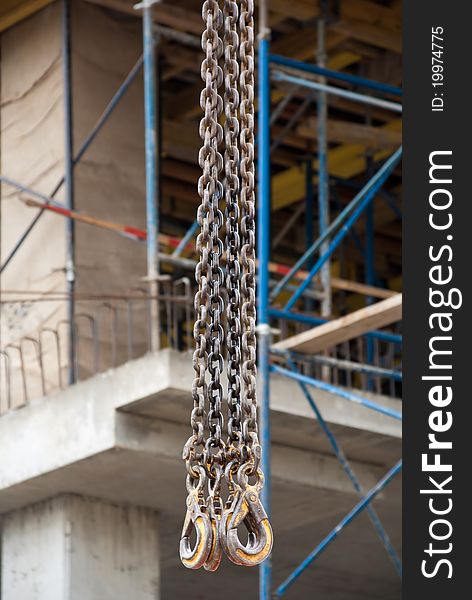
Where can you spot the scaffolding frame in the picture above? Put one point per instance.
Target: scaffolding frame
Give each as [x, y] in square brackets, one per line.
[336, 230]
[331, 235]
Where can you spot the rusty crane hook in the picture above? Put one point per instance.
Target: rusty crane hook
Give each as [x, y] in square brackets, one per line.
[245, 507]
[214, 512]
[196, 518]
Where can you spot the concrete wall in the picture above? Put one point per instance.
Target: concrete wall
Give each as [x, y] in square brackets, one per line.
[109, 184]
[31, 146]
[110, 179]
[76, 548]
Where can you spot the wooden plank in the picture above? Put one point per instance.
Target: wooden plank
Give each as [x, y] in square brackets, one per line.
[360, 288]
[372, 13]
[301, 44]
[370, 34]
[345, 328]
[348, 132]
[296, 9]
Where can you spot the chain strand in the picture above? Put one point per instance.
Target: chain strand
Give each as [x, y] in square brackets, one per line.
[233, 272]
[237, 459]
[248, 280]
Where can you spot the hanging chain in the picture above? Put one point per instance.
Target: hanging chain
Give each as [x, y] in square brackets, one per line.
[233, 269]
[207, 337]
[238, 458]
[211, 190]
[251, 448]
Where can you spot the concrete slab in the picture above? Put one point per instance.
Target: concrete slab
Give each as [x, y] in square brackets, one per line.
[77, 548]
[119, 435]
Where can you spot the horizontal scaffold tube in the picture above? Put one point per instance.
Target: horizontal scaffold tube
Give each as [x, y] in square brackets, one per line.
[333, 389]
[284, 61]
[337, 91]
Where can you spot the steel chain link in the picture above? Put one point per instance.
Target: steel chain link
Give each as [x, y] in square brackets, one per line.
[251, 448]
[233, 269]
[211, 191]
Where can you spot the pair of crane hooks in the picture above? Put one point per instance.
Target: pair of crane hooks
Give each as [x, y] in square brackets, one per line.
[211, 461]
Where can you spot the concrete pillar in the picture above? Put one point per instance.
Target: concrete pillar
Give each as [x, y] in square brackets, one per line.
[76, 548]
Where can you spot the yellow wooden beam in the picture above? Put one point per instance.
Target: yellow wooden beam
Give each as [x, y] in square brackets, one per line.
[344, 161]
[15, 11]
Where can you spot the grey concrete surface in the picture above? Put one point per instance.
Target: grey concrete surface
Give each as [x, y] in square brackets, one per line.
[119, 435]
[77, 548]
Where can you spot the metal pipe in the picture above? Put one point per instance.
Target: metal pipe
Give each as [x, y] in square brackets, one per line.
[150, 125]
[312, 320]
[360, 506]
[37, 349]
[284, 61]
[386, 168]
[388, 198]
[263, 251]
[282, 104]
[323, 182]
[337, 91]
[384, 538]
[83, 148]
[309, 216]
[369, 259]
[291, 123]
[30, 191]
[353, 233]
[189, 235]
[309, 200]
[343, 393]
[22, 369]
[372, 188]
[332, 247]
[58, 350]
[6, 365]
[69, 184]
[350, 365]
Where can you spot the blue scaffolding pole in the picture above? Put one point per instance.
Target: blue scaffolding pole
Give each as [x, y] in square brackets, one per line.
[284, 61]
[69, 192]
[369, 262]
[309, 216]
[151, 154]
[338, 391]
[263, 250]
[323, 182]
